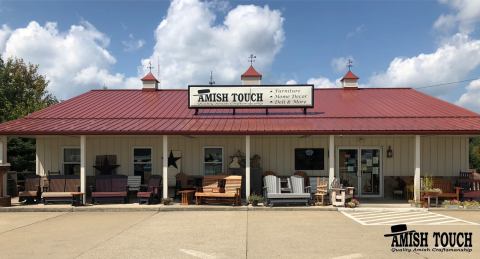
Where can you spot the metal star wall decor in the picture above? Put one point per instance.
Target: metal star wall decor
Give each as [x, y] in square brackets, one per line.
[172, 160]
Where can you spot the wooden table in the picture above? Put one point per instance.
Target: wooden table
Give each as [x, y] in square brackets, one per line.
[187, 196]
[77, 198]
[429, 195]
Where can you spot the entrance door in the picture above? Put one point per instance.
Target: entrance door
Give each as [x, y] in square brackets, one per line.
[361, 168]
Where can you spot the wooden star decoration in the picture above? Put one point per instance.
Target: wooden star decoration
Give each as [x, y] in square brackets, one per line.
[172, 160]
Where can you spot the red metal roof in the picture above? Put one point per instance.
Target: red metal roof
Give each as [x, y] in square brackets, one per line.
[336, 111]
[251, 72]
[149, 77]
[349, 75]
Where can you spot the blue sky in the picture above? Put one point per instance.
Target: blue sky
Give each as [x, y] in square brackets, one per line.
[297, 41]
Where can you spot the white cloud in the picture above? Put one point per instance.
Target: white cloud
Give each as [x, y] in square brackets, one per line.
[471, 98]
[322, 82]
[452, 61]
[73, 61]
[5, 32]
[340, 64]
[291, 82]
[465, 14]
[189, 42]
[358, 30]
[132, 44]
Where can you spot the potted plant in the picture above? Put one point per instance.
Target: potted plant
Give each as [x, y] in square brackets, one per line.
[470, 204]
[353, 203]
[416, 204]
[254, 199]
[167, 201]
[451, 204]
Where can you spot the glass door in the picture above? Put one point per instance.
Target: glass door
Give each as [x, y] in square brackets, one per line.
[360, 168]
[348, 167]
[370, 172]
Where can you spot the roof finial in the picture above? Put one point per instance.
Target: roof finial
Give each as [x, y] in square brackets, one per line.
[349, 64]
[150, 66]
[251, 59]
[211, 82]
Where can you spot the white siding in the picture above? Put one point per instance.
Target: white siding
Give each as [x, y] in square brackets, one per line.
[440, 155]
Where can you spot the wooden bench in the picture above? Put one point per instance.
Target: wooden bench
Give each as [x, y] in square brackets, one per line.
[447, 189]
[220, 188]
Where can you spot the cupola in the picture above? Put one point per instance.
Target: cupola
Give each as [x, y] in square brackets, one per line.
[349, 80]
[251, 77]
[150, 83]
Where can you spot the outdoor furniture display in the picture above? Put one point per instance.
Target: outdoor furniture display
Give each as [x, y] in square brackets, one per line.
[321, 190]
[31, 191]
[186, 196]
[220, 188]
[5, 201]
[447, 190]
[428, 196]
[152, 192]
[110, 188]
[134, 182]
[273, 192]
[339, 194]
[305, 177]
[472, 191]
[62, 188]
[186, 182]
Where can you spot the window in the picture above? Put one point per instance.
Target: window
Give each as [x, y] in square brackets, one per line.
[309, 159]
[142, 162]
[71, 161]
[212, 160]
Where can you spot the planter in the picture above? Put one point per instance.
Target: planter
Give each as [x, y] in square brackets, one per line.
[255, 203]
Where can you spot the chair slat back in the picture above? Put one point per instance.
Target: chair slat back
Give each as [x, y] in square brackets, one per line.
[444, 185]
[72, 183]
[322, 185]
[297, 184]
[271, 183]
[56, 183]
[232, 183]
[154, 182]
[211, 182]
[32, 183]
[134, 182]
[336, 183]
[119, 183]
[103, 183]
[303, 174]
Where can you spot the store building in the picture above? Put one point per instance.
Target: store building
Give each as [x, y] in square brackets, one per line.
[369, 137]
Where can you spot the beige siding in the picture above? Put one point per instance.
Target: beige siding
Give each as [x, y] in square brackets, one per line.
[441, 155]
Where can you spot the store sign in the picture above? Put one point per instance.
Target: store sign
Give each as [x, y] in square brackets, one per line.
[264, 96]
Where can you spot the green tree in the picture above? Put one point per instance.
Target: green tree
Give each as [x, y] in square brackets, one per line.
[22, 91]
[475, 153]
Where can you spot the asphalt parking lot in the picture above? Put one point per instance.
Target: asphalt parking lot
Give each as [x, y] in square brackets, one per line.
[203, 234]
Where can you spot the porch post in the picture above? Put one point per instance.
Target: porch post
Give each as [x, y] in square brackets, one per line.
[3, 160]
[165, 167]
[416, 179]
[331, 160]
[247, 166]
[83, 176]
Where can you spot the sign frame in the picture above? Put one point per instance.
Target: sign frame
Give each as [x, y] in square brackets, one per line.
[254, 106]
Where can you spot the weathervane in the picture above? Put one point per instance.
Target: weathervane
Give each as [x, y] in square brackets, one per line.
[349, 64]
[150, 66]
[251, 59]
[211, 79]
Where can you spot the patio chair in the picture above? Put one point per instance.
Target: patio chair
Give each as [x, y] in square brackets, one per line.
[31, 191]
[110, 188]
[338, 194]
[61, 188]
[273, 194]
[134, 182]
[152, 192]
[320, 190]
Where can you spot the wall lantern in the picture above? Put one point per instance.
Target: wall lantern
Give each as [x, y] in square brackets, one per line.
[389, 152]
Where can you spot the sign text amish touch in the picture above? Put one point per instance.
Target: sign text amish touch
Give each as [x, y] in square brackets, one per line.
[264, 96]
